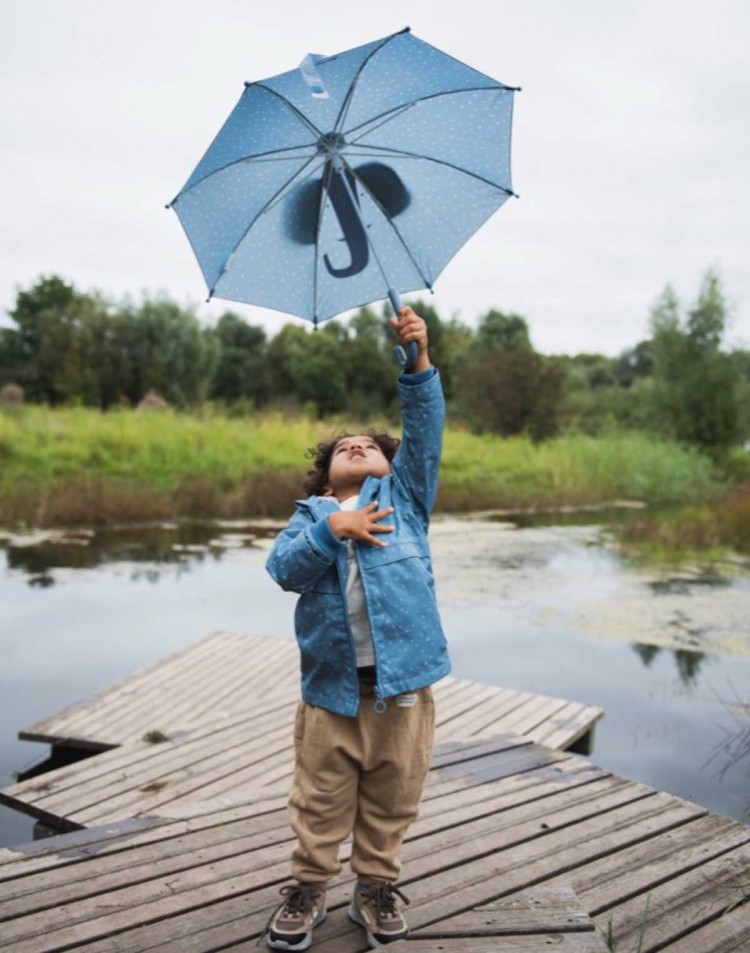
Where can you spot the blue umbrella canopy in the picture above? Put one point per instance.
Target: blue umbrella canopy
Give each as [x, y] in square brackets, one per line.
[349, 178]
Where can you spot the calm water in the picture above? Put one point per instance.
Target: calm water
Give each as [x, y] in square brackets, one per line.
[543, 608]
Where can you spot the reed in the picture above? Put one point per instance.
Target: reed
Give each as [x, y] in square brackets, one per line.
[76, 465]
[703, 530]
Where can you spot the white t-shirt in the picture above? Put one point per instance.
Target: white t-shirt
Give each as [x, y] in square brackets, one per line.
[356, 605]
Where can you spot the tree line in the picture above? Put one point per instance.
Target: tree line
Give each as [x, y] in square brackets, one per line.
[66, 346]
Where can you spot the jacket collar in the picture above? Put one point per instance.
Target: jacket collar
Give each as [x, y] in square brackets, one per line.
[322, 506]
[318, 506]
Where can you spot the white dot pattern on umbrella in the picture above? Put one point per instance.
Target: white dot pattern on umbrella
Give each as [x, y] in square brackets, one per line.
[442, 128]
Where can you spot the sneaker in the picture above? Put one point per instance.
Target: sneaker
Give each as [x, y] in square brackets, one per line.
[291, 924]
[376, 908]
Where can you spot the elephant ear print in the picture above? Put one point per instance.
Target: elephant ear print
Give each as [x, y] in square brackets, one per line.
[303, 205]
[301, 213]
[386, 186]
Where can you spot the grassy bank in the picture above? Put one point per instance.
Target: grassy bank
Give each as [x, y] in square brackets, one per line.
[696, 532]
[75, 465]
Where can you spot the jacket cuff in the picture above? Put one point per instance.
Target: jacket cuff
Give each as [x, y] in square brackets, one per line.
[324, 541]
[421, 377]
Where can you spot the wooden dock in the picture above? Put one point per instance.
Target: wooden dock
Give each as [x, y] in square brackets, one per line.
[223, 710]
[518, 848]
[181, 845]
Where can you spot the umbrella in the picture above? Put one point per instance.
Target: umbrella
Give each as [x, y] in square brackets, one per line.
[348, 179]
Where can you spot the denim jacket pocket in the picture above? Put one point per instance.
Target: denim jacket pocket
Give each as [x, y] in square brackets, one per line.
[392, 552]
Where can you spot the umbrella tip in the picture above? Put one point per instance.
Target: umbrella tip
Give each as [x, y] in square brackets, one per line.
[406, 29]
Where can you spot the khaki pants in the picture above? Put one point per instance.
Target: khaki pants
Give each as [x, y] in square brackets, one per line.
[360, 775]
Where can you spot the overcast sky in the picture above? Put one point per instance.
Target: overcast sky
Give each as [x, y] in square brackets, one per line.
[631, 148]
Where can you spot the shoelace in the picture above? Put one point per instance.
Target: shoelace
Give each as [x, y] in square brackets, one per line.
[298, 901]
[384, 898]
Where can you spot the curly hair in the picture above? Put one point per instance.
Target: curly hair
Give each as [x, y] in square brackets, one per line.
[317, 479]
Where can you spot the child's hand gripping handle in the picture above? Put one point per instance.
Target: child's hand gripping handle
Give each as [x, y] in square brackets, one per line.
[406, 358]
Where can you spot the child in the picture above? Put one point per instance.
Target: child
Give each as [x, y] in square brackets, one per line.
[371, 644]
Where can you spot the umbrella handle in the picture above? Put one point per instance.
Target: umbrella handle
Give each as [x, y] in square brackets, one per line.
[407, 358]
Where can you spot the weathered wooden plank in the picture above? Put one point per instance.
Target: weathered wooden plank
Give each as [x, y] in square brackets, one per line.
[462, 705]
[19, 863]
[198, 777]
[145, 684]
[450, 796]
[216, 921]
[493, 708]
[727, 934]
[117, 777]
[569, 729]
[444, 755]
[207, 869]
[46, 728]
[603, 884]
[533, 856]
[683, 902]
[131, 706]
[532, 713]
[91, 916]
[176, 714]
[541, 909]
[158, 862]
[162, 899]
[229, 684]
[564, 943]
[176, 751]
[491, 767]
[527, 718]
[208, 846]
[446, 688]
[528, 786]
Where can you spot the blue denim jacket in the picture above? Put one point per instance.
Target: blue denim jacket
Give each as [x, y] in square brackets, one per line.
[398, 582]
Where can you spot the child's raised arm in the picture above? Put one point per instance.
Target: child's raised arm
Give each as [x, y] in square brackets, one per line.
[417, 461]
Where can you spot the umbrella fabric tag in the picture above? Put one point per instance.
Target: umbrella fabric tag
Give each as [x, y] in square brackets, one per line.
[406, 701]
[312, 77]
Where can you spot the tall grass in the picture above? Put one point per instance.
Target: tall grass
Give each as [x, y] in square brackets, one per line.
[697, 530]
[76, 465]
[574, 469]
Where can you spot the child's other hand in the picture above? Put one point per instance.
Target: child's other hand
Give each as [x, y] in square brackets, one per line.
[361, 524]
[410, 327]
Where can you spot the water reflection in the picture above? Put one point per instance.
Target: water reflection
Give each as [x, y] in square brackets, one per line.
[687, 664]
[550, 609]
[684, 585]
[610, 514]
[168, 544]
[646, 653]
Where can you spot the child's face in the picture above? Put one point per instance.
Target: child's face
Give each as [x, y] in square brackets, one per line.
[353, 459]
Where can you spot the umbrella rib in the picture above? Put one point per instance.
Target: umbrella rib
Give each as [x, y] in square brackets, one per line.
[321, 205]
[390, 221]
[285, 189]
[297, 112]
[337, 126]
[262, 211]
[262, 156]
[389, 117]
[401, 153]
[396, 111]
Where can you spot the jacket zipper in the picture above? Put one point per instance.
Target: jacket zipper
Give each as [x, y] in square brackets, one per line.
[380, 705]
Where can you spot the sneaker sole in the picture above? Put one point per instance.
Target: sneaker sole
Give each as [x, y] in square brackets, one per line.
[304, 943]
[354, 916]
